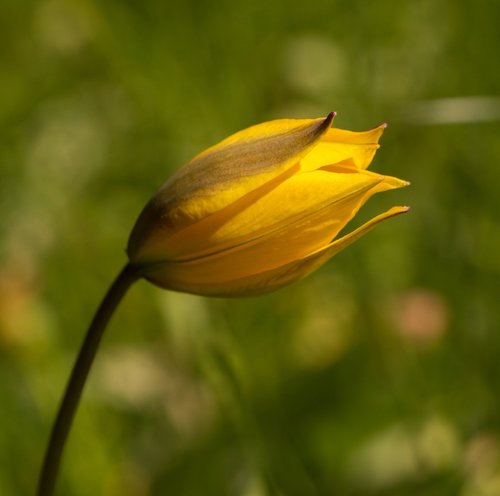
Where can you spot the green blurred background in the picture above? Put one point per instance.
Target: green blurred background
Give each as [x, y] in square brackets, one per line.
[377, 375]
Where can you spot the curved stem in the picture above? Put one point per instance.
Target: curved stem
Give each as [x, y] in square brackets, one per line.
[76, 383]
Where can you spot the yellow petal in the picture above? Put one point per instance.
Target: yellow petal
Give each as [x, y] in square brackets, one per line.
[298, 269]
[339, 145]
[335, 135]
[268, 280]
[271, 129]
[239, 164]
[279, 248]
[315, 205]
[343, 242]
[222, 174]
[389, 182]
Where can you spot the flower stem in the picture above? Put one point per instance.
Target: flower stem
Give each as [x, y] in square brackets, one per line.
[79, 374]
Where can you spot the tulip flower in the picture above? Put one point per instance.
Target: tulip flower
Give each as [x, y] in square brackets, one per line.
[259, 210]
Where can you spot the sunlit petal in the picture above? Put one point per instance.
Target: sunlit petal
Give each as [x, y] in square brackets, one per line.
[299, 197]
[339, 145]
[224, 173]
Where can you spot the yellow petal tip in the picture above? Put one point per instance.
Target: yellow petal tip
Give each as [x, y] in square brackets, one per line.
[403, 183]
[390, 182]
[398, 210]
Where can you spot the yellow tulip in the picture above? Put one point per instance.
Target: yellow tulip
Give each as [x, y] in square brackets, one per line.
[260, 209]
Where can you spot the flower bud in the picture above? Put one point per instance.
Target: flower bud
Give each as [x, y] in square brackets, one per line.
[260, 209]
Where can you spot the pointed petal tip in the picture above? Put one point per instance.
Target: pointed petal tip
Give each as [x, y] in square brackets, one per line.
[375, 133]
[403, 183]
[391, 182]
[329, 119]
[403, 209]
[380, 128]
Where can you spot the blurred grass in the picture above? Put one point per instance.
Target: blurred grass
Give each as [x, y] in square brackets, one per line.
[376, 376]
